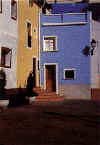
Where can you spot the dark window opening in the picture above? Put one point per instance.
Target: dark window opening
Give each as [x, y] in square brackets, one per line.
[13, 9]
[5, 57]
[31, 3]
[0, 6]
[29, 37]
[69, 74]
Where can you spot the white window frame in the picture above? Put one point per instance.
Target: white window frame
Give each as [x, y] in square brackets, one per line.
[44, 43]
[71, 70]
[27, 34]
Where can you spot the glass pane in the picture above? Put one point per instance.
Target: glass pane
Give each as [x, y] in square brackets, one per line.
[47, 45]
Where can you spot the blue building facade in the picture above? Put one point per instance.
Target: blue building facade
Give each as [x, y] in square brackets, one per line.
[64, 68]
[60, 8]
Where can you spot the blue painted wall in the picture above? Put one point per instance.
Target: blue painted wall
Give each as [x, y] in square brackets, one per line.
[71, 40]
[59, 8]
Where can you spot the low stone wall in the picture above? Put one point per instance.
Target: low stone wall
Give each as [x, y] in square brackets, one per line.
[8, 92]
[75, 91]
[14, 90]
[95, 94]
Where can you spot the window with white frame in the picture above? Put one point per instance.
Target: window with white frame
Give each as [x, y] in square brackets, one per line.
[6, 57]
[0, 6]
[69, 74]
[29, 35]
[49, 43]
[13, 9]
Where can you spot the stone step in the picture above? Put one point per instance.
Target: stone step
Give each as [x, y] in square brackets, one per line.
[45, 96]
[48, 99]
[46, 93]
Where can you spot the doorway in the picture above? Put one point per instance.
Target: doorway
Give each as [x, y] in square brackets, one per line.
[34, 71]
[50, 78]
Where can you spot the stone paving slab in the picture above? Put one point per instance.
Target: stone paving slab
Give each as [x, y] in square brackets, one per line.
[71, 122]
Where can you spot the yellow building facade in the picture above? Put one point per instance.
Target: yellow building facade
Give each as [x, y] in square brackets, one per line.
[28, 42]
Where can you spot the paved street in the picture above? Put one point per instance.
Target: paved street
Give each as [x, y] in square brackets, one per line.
[66, 123]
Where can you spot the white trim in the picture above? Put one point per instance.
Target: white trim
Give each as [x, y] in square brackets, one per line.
[91, 21]
[28, 21]
[76, 13]
[64, 14]
[46, 36]
[69, 69]
[45, 64]
[64, 24]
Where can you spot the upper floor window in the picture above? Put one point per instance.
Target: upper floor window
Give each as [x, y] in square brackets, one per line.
[29, 35]
[5, 57]
[0, 6]
[13, 9]
[49, 43]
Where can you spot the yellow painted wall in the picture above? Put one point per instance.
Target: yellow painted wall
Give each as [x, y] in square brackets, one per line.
[25, 55]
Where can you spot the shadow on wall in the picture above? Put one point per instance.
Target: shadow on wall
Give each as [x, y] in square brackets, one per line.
[21, 95]
[2, 82]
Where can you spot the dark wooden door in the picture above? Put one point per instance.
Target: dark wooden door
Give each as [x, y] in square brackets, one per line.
[51, 78]
[34, 71]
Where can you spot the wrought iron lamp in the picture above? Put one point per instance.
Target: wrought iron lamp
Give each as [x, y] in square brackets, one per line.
[93, 46]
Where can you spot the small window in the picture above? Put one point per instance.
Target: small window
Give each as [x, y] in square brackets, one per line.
[0, 6]
[5, 57]
[49, 43]
[30, 3]
[13, 9]
[29, 36]
[69, 74]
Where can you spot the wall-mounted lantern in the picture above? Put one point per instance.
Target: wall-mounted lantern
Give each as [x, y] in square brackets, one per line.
[93, 46]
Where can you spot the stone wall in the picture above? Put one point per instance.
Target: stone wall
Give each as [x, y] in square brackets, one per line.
[75, 91]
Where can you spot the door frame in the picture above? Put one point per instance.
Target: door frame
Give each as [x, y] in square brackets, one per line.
[45, 64]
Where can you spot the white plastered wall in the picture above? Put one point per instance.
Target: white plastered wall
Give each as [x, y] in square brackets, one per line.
[95, 59]
[9, 39]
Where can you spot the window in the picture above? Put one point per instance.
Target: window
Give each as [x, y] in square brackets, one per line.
[29, 37]
[49, 43]
[30, 3]
[0, 6]
[69, 74]
[13, 9]
[5, 57]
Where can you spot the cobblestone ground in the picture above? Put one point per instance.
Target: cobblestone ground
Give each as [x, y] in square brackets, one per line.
[71, 122]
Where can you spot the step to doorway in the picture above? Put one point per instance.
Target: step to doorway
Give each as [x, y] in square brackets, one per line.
[45, 96]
